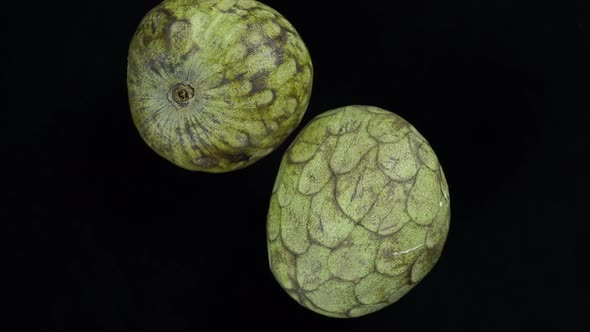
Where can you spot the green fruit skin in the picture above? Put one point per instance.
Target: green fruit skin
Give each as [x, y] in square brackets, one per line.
[359, 213]
[250, 75]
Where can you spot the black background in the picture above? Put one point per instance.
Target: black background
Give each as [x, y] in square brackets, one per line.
[105, 235]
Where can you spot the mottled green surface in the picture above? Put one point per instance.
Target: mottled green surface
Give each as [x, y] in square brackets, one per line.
[359, 213]
[216, 85]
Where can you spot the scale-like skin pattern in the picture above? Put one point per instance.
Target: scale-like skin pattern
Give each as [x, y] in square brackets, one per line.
[359, 213]
[215, 85]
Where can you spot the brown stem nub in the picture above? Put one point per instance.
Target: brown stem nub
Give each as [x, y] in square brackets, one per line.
[182, 94]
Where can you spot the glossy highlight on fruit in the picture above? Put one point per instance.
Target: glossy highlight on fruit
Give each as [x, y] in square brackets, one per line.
[215, 85]
[359, 212]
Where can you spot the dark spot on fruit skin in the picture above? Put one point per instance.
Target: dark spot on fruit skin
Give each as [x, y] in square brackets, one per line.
[250, 49]
[272, 100]
[230, 10]
[226, 80]
[162, 62]
[197, 143]
[233, 157]
[215, 120]
[295, 97]
[277, 50]
[191, 136]
[276, 43]
[258, 81]
[238, 157]
[166, 35]
[281, 39]
[181, 140]
[239, 77]
[298, 66]
[161, 15]
[149, 36]
[153, 66]
[279, 55]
